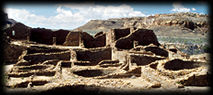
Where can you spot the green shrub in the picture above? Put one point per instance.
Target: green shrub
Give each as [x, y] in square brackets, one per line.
[206, 48]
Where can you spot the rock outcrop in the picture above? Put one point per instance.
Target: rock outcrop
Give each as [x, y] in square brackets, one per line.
[192, 23]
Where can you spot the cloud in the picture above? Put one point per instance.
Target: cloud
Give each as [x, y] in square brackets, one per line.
[70, 16]
[93, 11]
[193, 9]
[179, 8]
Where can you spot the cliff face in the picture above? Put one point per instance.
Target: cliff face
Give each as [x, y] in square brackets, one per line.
[192, 24]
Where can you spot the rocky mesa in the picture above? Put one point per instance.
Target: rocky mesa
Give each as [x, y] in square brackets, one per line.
[191, 24]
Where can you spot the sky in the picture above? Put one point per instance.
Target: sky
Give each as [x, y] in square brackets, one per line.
[72, 15]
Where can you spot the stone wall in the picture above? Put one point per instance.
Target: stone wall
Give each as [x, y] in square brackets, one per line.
[121, 33]
[100, 40]
[41, 35]
[12, 53]
[94, 55]
[60, 36]
[20, 31]
[76, 38]
[142, 60]
[115, 34]
[110, 39]
[40, 57]
[119, 55]
[143, 36]
[73, 39]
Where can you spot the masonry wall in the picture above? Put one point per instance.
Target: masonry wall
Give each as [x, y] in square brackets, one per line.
[41, 35]
[73, 39]
[119, 55]
[115, 34]
[94, 55]
[60, 36]
[121, 33]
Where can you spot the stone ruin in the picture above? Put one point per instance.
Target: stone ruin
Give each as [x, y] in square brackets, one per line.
[118, 60]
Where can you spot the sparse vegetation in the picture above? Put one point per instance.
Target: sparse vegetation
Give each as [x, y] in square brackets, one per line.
[206, 48]
[192, 45]
[183, 40]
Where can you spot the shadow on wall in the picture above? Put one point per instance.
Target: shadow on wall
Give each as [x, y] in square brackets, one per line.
[94, 56]
[88, 41]
[143, 36]
[45, 36]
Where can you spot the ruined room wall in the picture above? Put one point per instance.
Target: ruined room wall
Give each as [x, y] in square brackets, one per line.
[12, 52]
[100, 40]
[121, 33]
[21, 31]
[91, 42]
[157, 51]
[40, 57]
[87, 40]
[98, 34]
[60, 36]
[41, 35]
[119, 55]
[142, 60]
[37, 49]
[115, 34]
[143, 36]
[109, 38]
[94, 55]
[178, 64]
[72, 39]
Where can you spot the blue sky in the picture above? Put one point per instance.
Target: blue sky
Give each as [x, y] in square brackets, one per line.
[73, 15]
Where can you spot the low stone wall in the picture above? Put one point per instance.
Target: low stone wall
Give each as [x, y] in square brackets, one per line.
[119, 55]
[178, 64]
[12, 53]
[141, 60]
[158, 51]
[27, 74]
[35, 49]
[94, 55]
[40, 57]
